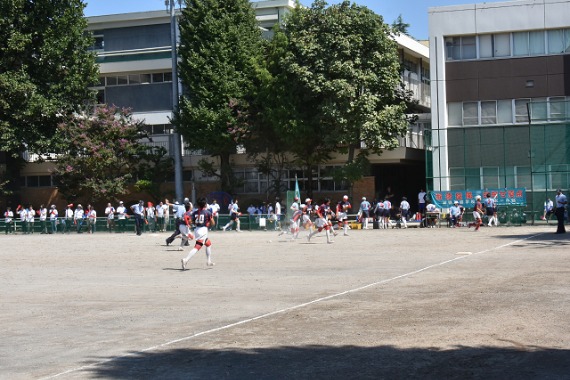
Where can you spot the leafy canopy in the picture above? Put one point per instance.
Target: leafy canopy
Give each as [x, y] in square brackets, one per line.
[102, 154]
[220, 69]
[45, 70]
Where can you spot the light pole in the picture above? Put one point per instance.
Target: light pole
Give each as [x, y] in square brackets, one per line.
[178, 186]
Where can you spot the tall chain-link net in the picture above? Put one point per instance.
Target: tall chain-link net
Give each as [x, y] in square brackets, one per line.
[535, 156]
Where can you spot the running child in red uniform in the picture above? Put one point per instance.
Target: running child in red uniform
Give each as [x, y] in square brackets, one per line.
[342, 208]
[322, 222]
[202, 219]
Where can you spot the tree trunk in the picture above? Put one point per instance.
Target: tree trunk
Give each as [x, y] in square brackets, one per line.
[226, 173]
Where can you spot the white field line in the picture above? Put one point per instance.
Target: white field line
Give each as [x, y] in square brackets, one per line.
[287, 309]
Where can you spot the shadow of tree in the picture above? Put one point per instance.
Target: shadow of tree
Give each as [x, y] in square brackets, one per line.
[343, 362]
[547, 240]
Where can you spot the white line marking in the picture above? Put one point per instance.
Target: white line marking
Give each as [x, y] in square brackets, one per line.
[287, 309]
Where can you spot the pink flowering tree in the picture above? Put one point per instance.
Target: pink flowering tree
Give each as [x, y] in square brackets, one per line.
[101, 154]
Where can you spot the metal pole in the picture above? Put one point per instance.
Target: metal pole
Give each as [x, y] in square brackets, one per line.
[177, 145]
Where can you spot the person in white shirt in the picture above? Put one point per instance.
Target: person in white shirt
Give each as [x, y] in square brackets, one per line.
[404, 210]
[151, 216]
[69, 214]
[110, 213]
[278, 214]
[138, 210]
[122, 217]
[561, 203]
[548, 210]
[53, 214]
[43, 219]
[215, 209]
[9, 220]
[160, 217]
[166, 208]
[234, 217]
[91, 219]
[78, 217]
[421, 201]
[30, 215]
[23, 212]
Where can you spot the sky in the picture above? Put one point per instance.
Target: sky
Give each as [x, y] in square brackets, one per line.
[414, 12]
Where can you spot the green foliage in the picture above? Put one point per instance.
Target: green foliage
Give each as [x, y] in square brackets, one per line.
[336, 72]
[45, 70]
[399, 26]
[221, 67]
[101, 154]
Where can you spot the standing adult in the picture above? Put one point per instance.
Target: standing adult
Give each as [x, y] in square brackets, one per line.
[166, 208]
[122, 216]
[9, 220]
[364, 212]
[422, 201]
[490, 210]
[91, 219]
[215, 210]
[138, 210]
[278, 214]
[561, 203]
[110, 213]
[151, 216]
[78, 216]
[53, 214]
[30, 215]
[43, 219]
[69, 214]
[404, 210]
[160, 217]
[23, 212]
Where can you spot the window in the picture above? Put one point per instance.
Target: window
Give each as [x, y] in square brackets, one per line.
[520, 44]
[557, 109]
[486, 46]
[111, 81]
[468, 47]
[490, 177]
[505, 111]
[489, 112]
[453, 48]
[99, 43]
[536, 43]
[454, 114]
[556, 41]
[470, 113]
[134, 79]
[157, 77]
[502, 45]
[122, 80]
[461, 47]
[145, 78]
[539, 109]
[521, 113]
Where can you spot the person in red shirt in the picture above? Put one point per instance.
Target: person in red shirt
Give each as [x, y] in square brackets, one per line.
[202, 219]
[478, 213]
[342, 208]
[322, 222]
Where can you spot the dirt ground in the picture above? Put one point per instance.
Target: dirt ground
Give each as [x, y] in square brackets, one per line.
[378, 304]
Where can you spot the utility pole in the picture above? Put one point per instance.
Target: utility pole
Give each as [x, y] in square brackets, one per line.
[177, 145]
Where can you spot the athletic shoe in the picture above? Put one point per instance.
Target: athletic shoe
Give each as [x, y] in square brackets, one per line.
[167, 242]
[210, 264]
[183, 264]
[180, 249]
[309, 238]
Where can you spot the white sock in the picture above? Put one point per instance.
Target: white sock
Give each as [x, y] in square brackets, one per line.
[190, 254]
[208, 254]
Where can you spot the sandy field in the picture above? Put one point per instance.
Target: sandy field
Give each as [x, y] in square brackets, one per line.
[378, 304]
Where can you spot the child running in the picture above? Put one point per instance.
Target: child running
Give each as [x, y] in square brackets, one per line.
[202, 219]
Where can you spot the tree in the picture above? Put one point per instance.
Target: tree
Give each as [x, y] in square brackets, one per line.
[341, 75]
[45, 70]
[221, 66]
[399, 26]
[102, 154]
